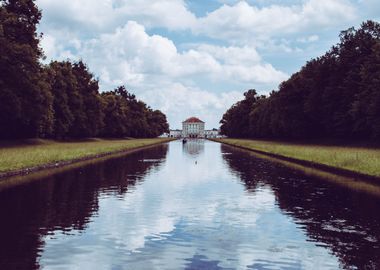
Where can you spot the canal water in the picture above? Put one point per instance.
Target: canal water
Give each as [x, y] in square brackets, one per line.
[201, 205]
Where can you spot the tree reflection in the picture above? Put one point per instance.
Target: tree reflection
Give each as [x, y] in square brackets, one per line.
[345, 221]
[64, 202]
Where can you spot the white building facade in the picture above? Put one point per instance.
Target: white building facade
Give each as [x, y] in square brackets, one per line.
[193, 128]
[213, 133]
[177, 133]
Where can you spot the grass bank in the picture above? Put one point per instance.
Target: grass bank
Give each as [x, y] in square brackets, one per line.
[20, 156]
[361, 160]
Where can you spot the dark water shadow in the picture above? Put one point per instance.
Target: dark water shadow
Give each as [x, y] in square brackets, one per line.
[346, 221]
[65, 202]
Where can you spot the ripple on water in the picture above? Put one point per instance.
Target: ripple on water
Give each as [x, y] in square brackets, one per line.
[157, 209]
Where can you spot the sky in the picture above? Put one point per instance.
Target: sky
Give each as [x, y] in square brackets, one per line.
[195, 57]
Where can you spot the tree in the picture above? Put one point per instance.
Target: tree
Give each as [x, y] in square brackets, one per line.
[61, 100]
[115, 111]
[335, 96]
[89, 117]
[366, 108]
[64, 89]
[126, 116]
[157, 123]
[235, 121]
[25, 97]
[137, 123]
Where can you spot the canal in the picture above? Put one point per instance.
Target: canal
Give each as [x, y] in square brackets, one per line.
[201, 205]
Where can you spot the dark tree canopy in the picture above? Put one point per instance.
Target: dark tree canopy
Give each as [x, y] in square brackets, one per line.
[126, 116]
[61, 100]
[81, 111]
[335, 96]
[25, 96]
[89, 120]
[236, 119]
[65, 93]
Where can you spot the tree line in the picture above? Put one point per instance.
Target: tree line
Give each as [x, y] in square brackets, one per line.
[335, 96]
[60, 100]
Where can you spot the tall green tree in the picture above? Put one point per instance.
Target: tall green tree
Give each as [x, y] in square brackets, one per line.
[25, 97]
[335, 96]
[61, 100]
[235, 121]
[116, 114]
[366, 108]
[157, 123]
[127, 116]
[65, 94]
[89, 117]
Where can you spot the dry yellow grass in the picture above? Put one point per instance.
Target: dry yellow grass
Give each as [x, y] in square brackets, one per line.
[357, 159]
[26, 154]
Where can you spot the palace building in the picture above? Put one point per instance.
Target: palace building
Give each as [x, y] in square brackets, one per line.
[193, 128]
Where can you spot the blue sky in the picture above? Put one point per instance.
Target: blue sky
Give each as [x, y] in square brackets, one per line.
[194, 57]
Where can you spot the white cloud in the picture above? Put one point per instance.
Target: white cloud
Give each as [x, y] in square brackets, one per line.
[100, 15]
[162, 76]
[156, 219]
[179, 101]
[235, 22]
[114, 37]
[242, 22]
[312, 38]
[49, 45]
[54, 48]
[327, 12]
[133, 56]
[232, 55]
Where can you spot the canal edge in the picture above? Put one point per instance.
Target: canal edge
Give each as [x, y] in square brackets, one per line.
[357, 176]
[61, 164]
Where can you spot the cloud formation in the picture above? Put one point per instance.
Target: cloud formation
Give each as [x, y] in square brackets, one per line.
[152, 65]
[161, 49]
[101, 16]
[241, 22]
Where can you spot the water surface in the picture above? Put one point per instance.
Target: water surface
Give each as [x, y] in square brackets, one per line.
[201, 205]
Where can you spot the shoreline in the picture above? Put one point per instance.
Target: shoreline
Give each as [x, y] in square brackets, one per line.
[309, 164]
[61, 164]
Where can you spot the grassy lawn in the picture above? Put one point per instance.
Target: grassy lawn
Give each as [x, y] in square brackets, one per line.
[357, 159]
[29, 153]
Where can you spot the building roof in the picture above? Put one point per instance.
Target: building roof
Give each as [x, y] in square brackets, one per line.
[193, 120]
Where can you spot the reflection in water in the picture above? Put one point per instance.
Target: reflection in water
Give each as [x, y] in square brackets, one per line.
[194, 147]
[63, 204]
[346, 222]
[158, 209]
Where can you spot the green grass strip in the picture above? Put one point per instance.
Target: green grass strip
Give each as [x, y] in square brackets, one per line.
[17, 155]
[357, 159]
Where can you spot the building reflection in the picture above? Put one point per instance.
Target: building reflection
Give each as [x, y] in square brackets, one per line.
[193, 147]
[346, 222]
[64, 202]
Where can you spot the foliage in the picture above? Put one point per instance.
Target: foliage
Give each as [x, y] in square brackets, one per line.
[25, 96]
[126, 116]
[89, 119]
[236, 120]
[65, 93]
[61, 100]
[116, 118]
[336, 96]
